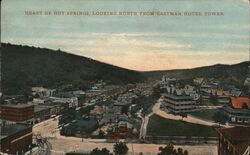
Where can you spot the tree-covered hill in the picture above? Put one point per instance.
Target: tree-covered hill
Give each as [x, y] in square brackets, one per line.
[227, 74]
[24, 67]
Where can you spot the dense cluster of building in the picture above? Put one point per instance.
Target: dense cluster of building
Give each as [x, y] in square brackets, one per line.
[185, 99]
[109, 110]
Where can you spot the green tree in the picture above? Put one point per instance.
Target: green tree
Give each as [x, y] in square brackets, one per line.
[120, 148]
[103, 151]
[169, 150]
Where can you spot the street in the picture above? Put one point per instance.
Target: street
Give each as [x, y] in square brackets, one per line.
[61, 144]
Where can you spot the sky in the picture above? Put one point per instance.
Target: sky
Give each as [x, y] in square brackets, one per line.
[135, 42]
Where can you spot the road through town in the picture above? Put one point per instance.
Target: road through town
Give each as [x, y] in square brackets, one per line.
[61, 144]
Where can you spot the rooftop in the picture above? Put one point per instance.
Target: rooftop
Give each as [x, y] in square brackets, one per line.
[11, 129]
[17, 105]
[240, 102]
[238, 136]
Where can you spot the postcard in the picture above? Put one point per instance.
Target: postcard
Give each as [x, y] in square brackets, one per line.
[125, 77]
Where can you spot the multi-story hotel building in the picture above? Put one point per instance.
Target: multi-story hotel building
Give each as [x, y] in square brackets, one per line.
[176, 101]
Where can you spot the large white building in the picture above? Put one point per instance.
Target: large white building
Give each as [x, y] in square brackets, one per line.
[176, 101]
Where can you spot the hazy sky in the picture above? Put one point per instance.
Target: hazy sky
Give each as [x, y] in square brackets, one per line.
[134, 42]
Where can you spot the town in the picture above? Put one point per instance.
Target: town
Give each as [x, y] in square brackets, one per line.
[195, 114]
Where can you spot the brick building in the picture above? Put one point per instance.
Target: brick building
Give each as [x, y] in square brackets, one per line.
[19, 112]
[15, 131]
[15, 138]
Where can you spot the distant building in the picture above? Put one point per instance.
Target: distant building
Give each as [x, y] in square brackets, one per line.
[19, 112]
[42, 92]
[44, 112]
[235, 92]
[97, 112]
[168, 81]
[205, 91]
[239, 110]
[81, 127]
[223, 96]
[176, 101]
[234, 141]
[71, 102]
[198, 81]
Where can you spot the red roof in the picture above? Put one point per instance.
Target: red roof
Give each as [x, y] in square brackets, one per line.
[239, 102]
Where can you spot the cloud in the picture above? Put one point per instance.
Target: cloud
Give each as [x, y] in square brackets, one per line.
[143, 53]
[246, 1]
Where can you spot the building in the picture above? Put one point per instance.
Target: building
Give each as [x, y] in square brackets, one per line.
[71, 102]
[198, 81]
[234, 141]
[16, 129]
[190, 90]
[120, 130]
[15, 138]
[205, 91]
[42, 92]
[19, 112]
[222, 96]
[81, 127]
[168, 81]
[239, 110]
[41, 113]
[97, 112]
[176, 101]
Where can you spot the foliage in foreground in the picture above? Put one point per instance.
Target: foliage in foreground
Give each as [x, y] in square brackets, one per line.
[170, 150]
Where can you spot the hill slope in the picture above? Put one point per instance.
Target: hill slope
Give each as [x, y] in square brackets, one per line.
[228, 74]
[24, 67]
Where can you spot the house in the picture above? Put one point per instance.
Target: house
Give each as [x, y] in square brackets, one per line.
[97, 112]
[235, 92]
[176, 101]
[121, 130]
[233, 141]
[222, 96]
[198, 81]
[239, 109]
